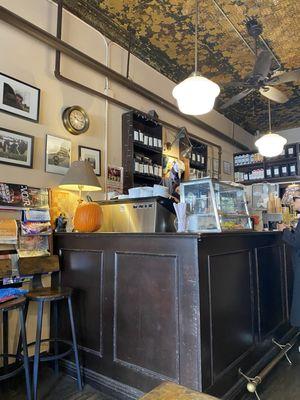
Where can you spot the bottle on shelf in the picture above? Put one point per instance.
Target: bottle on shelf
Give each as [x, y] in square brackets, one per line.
[141, 136]
[276, 171]
[292, 169]
[146, 140]
[136, 135]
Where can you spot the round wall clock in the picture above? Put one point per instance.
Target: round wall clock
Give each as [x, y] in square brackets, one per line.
[75, 120]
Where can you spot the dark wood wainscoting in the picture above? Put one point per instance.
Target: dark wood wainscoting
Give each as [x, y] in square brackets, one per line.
[245, 289]
[136, 302]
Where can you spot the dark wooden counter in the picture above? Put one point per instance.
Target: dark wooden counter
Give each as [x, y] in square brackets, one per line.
[187, 308]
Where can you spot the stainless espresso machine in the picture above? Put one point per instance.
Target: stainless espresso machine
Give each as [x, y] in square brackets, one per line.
[145, 214]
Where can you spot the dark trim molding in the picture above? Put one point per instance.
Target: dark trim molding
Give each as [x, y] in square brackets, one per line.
[107, 385]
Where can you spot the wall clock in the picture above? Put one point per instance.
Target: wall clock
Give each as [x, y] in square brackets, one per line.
[75, 120]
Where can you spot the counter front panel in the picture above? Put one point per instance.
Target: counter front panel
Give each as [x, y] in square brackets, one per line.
[186, 308]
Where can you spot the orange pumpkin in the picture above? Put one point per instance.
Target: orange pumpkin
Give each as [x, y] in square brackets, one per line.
[88, 217]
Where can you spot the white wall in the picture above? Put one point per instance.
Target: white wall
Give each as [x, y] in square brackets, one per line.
[292, 135]
[31, 61]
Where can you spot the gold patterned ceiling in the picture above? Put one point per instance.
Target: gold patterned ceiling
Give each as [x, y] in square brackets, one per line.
[164, 38]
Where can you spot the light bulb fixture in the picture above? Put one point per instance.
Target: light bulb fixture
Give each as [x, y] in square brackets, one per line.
[271, 144]
[196, 95]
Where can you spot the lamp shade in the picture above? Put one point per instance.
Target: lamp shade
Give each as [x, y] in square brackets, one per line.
[80, 176]
[196, 95]
[270, 144]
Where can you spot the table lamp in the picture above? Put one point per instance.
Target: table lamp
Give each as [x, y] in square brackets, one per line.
[81, 177]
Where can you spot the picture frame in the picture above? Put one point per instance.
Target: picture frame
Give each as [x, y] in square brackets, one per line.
[57, 154]
[215, 163]
[16, 148]
[19, 98]
[227, 167]
[93, 156]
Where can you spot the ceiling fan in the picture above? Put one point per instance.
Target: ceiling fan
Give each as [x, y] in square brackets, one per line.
[262, 78]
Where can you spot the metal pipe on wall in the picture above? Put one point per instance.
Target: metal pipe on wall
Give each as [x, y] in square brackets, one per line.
[108, 46]
[56, 43]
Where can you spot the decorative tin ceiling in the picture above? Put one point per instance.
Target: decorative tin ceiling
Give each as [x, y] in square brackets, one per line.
[164, 35]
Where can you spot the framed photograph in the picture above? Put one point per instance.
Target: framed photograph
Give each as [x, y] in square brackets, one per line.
[227, 167]
[93, 156]
[19, 98]
[58, 155]
[215, 165]
[16, 148]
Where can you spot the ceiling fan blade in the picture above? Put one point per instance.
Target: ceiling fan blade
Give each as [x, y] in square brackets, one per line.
[284, 77]
[262, 64]
[273, 94]
[236, 98]
[237, 85]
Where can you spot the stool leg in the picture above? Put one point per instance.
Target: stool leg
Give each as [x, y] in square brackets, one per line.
[5, 339]
[19, 349]
[37, 349]
[75, 347]
[25, 353]
[55, 318]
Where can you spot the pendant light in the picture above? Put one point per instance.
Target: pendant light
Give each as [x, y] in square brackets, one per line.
[196, 95]
[270, 144]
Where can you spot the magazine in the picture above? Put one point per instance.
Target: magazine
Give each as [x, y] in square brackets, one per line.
[8, 231]
[36, 215]
[36, 228]
[33, 246]
[19, 197]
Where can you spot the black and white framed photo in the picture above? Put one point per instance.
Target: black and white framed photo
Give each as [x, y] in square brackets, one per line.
[19, 98]
[16, 148]
[93, 156]
[58, 155]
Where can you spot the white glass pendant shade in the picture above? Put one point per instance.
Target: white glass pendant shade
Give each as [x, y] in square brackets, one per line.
[270, 144]
[196, 95]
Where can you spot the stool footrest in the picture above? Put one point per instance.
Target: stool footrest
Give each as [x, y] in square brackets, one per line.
[18, 357]
[55, 356]
[14, 372]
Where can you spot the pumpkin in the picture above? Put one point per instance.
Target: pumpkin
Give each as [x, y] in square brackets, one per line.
[88, 217]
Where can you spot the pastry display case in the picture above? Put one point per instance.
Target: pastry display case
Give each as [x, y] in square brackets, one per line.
[214, 206]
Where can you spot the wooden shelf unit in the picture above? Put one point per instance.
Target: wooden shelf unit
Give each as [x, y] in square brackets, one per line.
[284, 167]
[131, 148]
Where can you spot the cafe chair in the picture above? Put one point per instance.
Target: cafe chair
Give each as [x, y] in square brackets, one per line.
[22, 361]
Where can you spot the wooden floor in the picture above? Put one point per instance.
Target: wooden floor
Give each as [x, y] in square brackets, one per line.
[51, 388]
[283, 383]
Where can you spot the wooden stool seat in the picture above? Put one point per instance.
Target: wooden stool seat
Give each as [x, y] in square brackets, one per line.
[49, 294]
[12, 304]
[172, 391]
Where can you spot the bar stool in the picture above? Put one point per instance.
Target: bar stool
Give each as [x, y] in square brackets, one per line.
[15, 304]
[41, 296]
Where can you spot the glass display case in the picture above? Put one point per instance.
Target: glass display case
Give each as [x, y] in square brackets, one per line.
[214, 206]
